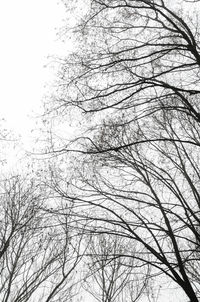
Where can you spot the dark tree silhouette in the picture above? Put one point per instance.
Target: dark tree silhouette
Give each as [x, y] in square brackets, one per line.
[133, 88]
[38, 252]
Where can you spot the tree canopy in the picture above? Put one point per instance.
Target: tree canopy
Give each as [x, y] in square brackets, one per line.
[131, 88]
[114, 213]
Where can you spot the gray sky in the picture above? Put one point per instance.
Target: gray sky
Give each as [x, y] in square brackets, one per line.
[28, 36]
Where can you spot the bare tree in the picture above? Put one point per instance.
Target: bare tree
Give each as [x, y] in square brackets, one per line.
[39, 251]
[113, 272]
[136, 163]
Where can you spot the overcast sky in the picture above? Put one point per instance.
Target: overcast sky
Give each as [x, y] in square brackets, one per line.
[28, 35]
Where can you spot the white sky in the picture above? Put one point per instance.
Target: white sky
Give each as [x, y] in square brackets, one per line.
[28, 35]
